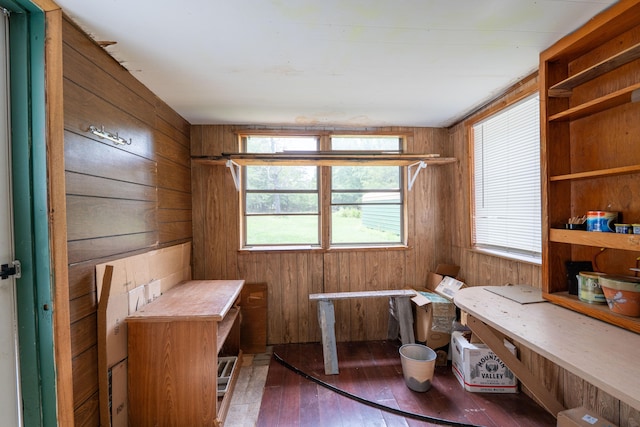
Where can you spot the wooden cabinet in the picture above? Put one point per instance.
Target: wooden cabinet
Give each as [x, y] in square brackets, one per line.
[174, 344]
[590, 88]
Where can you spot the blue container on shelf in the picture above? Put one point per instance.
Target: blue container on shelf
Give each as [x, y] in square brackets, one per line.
[602, 221]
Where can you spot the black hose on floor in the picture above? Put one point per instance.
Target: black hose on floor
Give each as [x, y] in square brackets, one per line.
[395, 411]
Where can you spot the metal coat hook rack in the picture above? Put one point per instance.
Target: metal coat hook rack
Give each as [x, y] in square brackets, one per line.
[113, 137]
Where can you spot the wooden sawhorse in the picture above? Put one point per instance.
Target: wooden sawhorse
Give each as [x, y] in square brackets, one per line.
[327, 321]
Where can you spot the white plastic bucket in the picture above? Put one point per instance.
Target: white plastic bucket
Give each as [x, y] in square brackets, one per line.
[418, 363]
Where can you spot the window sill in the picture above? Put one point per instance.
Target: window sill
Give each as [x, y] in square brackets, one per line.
[308, 248]
[510, 256]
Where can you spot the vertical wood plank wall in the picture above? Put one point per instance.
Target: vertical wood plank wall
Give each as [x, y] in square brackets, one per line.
[480, 269]
[120, 200]
[292, 276]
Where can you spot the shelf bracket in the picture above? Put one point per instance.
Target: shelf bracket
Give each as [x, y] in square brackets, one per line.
[412, 177]
[234, 168]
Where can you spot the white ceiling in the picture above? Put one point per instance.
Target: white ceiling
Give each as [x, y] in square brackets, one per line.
[329, 62]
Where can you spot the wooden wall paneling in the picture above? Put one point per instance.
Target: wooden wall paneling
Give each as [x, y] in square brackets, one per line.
[338, 273]
[84, 109]
[81, 280]
[317, 284]
[113, 189]
[290, 287]
[272, 269]
[82, 307]
[172, 149]
[88, 415]
[629, 417]
[171, 199]
[83, 334]
[573, 390]
[95, 217]
[173, 176]
[213, 210]
[199, 182]
[77, 39]
[100, 83]
[85, 376]
[85, 250]
[174, 232]
[303, 283]
[86, 185]
[601, 402]
[173, 134]
[90, 157]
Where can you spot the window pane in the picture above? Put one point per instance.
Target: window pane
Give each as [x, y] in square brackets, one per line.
[278, 144]
[282, 230]
[280, 203]
[366, 224]
[365, 177]
[354, 143]
[281, 177]
[351, 197]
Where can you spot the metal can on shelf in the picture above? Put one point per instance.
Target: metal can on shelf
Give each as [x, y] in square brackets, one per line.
[601, 221]
[589, 289]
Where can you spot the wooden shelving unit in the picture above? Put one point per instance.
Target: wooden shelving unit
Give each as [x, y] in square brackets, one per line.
[590, 88]
[174, 345]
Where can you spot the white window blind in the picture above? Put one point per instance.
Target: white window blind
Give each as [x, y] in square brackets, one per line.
[507, 180]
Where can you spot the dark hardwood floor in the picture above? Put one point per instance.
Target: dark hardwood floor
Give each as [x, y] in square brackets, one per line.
[373, 371]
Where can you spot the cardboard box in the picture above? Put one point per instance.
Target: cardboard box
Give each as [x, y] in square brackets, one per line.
[479, 369]
[119, 410]
[581, 417]
[442, 271]
[434, 317]
[117, 311]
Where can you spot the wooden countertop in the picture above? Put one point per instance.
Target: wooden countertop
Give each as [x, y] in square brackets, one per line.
[192, 300]
[602, 354]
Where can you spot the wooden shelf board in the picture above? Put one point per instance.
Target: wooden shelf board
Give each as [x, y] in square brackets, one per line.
[225, 326]
[564, 88]
[611, 100]
[325, 159]
[597, 173]
[597, 311]
[628, 242]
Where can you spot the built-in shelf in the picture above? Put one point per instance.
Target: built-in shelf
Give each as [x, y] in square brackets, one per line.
[324, 158]
[627, 242]
[597, 173]
[620, 97]
[225, 326]
[598, 311]
[564, 88]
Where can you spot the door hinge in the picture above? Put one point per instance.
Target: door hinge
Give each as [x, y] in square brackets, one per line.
[13, 269]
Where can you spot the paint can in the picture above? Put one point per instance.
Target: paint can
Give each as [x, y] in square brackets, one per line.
[589, 289]
[601, 221]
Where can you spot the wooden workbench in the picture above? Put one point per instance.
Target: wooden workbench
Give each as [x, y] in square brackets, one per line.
[601, 354]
